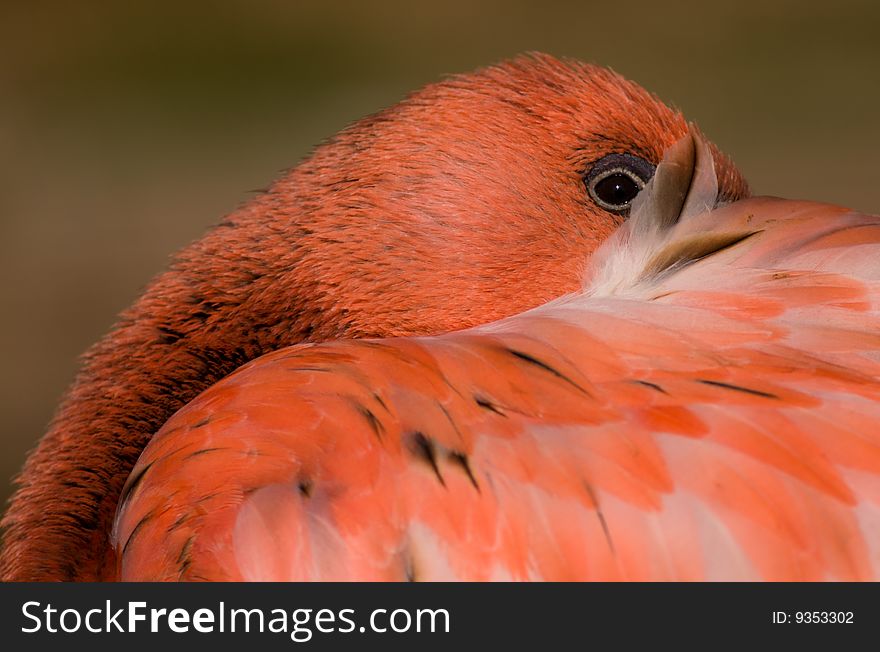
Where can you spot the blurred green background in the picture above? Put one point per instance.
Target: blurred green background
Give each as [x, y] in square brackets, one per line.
[128, 128]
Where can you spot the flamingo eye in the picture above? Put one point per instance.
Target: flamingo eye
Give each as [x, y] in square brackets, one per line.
[615, 180]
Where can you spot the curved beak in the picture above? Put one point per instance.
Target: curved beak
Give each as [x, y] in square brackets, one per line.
[683, 185]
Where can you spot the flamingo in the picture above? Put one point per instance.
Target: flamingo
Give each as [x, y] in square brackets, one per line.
[639, 427]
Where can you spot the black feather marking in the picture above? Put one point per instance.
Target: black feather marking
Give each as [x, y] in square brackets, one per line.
[451, 420]
[462, 460]
[311, 368]
[371, 419]
[132, 484]
[546, 367]
[202, 452]
[381, 402]
[425, 449]
[305, 488]
[183, 518]
[601, 517]
[653, 386]
[486, 404]
[184, 560]
[201, 423]
[738, 388]
[136, 530]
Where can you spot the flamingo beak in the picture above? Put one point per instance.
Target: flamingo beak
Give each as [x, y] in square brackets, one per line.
[684, 184]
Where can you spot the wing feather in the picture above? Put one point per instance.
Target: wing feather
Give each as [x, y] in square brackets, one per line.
[718, 421]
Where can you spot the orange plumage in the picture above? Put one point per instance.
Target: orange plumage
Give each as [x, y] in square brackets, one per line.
[463, 204]
[710, 416]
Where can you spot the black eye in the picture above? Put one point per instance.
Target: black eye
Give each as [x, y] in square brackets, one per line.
[615, 180]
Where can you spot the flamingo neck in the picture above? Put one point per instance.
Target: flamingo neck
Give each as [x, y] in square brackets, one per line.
[186, 332]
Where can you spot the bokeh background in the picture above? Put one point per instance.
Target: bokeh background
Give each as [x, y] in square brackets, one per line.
[127, 128]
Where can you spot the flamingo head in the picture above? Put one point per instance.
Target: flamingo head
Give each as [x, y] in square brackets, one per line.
[474, 198]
